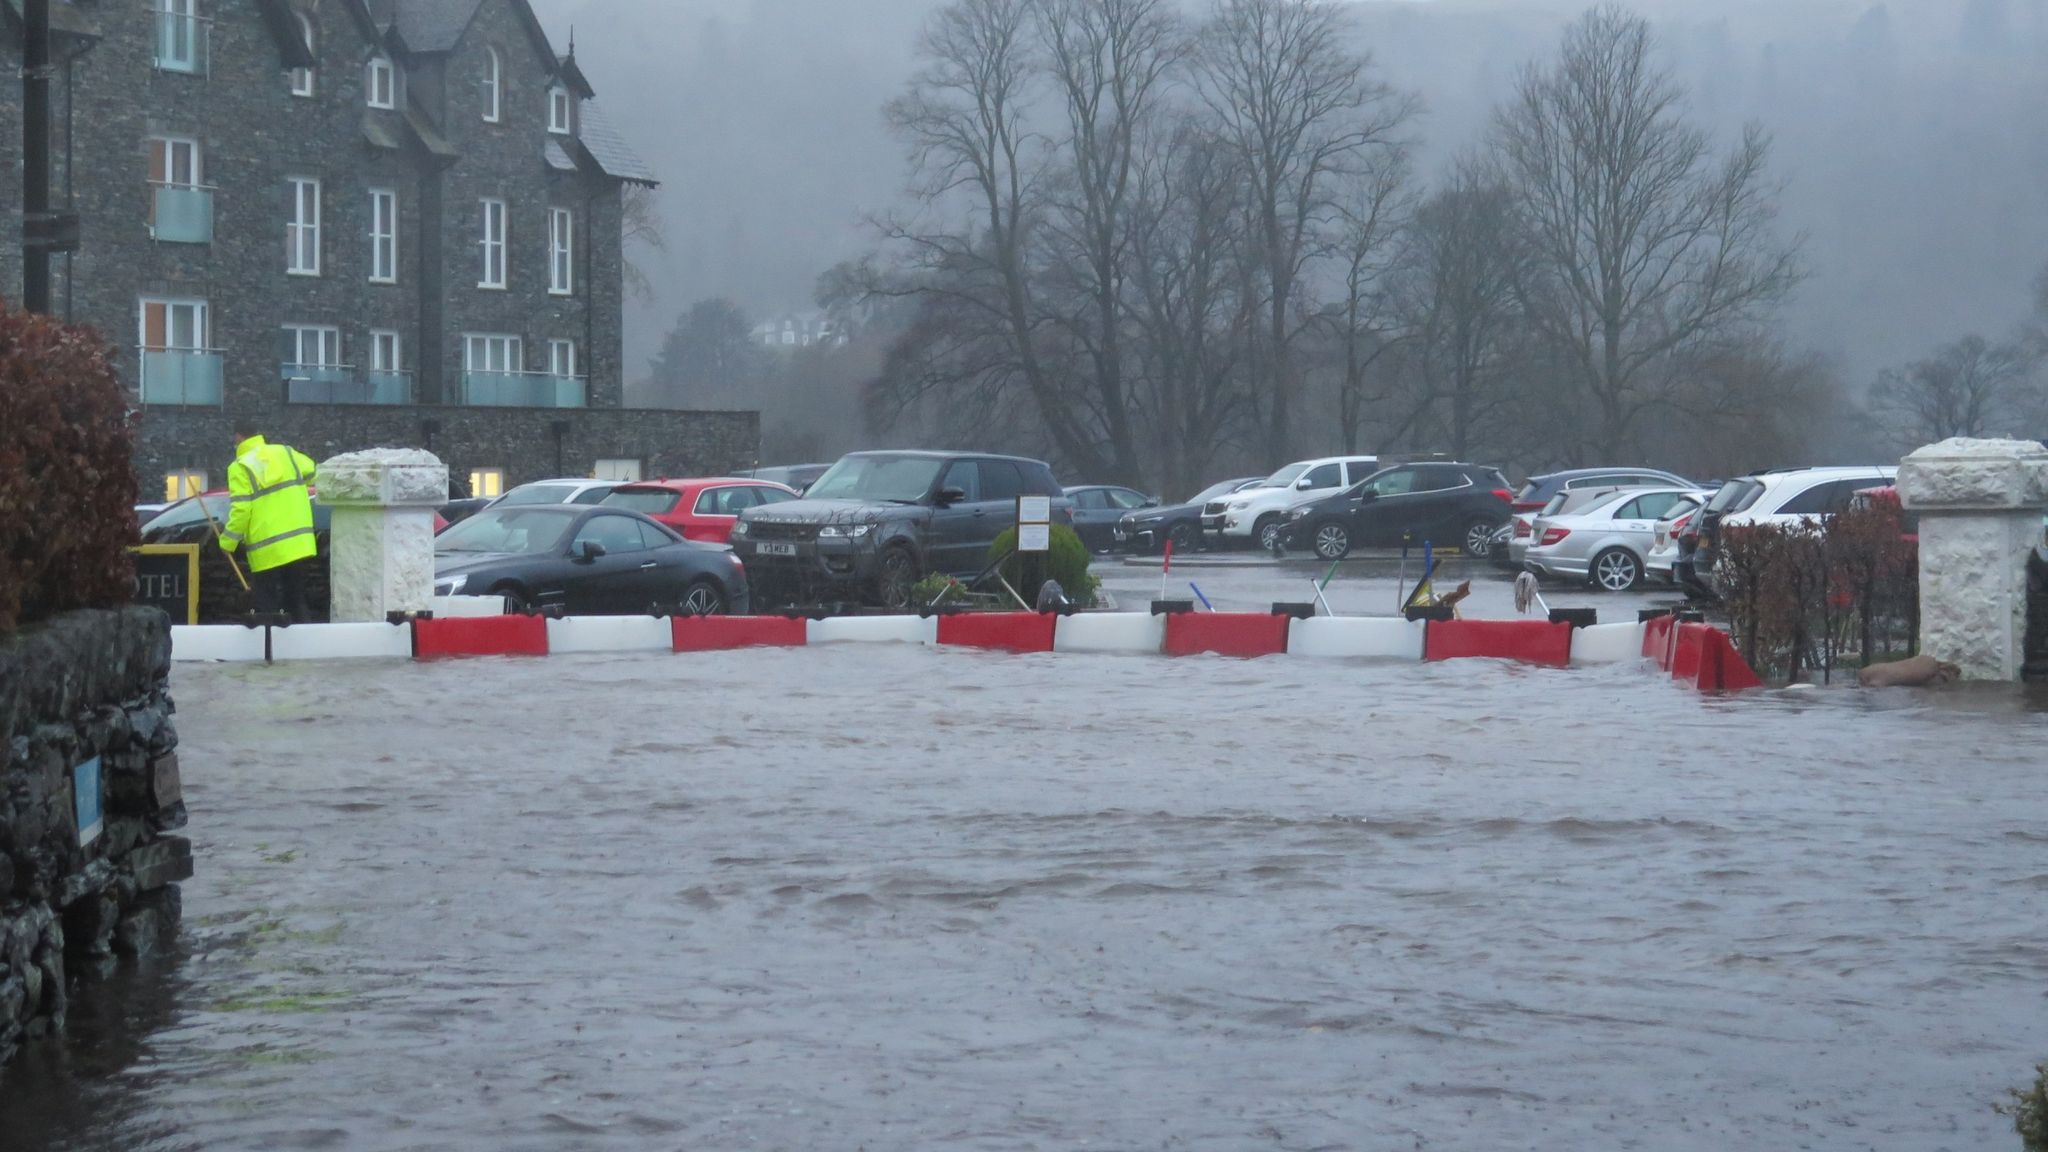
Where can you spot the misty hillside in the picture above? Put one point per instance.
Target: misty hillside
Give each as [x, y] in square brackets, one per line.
[1908, 136]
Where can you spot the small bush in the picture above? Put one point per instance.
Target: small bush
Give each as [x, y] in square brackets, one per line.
[937, 590]
[1814, 597]
[67, 480]
[1066, 562]
[2029, 1112]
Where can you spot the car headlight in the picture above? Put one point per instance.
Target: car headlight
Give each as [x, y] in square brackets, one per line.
[844, 531]
[739, 528]
[1298, 514]
[1238, 505]
[452, 586]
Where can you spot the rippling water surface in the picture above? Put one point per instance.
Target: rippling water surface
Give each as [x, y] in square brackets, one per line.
[905, 899]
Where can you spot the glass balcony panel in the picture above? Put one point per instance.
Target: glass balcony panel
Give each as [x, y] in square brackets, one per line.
[521, 390]
[184, 214]
[173, 376]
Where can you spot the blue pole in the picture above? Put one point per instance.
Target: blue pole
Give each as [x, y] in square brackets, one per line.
[1202, 598]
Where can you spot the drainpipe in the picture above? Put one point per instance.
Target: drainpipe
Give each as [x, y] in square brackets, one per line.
[35, 156]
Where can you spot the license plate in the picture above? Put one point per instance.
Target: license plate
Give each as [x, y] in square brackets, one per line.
[767, 549]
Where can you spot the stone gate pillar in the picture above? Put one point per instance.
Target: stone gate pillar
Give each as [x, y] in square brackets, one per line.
[381, 554]
[1980, 504]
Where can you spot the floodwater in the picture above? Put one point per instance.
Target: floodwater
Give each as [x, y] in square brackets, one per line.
[894, 898]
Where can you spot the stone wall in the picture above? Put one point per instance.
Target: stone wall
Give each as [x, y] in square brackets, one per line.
[2036, 667]
[84, 685]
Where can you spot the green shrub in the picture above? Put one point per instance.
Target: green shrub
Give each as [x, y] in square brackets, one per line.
[2029, 1112]
[936, 590]
[1066, 562]
[67, 481]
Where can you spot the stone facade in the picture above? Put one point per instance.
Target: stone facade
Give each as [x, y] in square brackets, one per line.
[436, 152]
[1980, 504]
[81, 686]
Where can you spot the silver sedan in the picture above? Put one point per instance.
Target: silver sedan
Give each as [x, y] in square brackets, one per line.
[1608, 541]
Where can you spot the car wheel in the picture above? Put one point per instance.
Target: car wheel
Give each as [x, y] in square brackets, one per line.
[1267, 532]
[1332, 541]
[1617, 570]
[1479, 538]
[703, 598]
[895, 573]
[1184, 537]
[516, 598]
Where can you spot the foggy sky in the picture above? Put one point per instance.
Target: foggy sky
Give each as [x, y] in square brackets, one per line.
[1908, 136]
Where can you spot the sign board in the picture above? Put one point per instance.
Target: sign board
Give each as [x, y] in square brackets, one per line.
[1034, 537]
[1034, 523]
[167, 577]
[1034, 509]
[85, 799]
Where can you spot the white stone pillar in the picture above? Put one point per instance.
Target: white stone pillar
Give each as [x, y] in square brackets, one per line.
[381, 551]
[1980, 504]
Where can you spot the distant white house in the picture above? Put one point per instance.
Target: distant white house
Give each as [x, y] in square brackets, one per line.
[801, 330]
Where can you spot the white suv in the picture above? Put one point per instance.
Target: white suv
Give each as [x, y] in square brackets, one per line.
[1259, 512]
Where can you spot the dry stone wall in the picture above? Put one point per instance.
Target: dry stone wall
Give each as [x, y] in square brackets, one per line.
[77, 689]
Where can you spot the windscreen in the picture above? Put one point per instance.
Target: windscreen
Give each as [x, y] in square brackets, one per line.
[528, 494]
[527, 530]
[1284, 477]
[1726, 496]
[898, 479]
[1215, 492]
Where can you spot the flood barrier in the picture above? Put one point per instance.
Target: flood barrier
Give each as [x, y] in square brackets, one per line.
[1692, 652]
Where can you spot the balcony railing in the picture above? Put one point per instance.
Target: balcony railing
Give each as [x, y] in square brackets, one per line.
[181, 376]
[183, 43]
[522, 390]
[337, 384]
[181, 213]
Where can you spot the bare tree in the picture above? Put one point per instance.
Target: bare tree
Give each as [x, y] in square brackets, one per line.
[1642, 246]
[1302, 108]
[1459, 298]
[643, 234]
[1969, 388]
[1371, 214]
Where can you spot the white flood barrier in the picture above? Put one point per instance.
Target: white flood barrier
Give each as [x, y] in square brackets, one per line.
[873, 630]
[1607, 644]
[464, 606]
[610, 634]
[1383, 638]
[230, 642]
[340, 642]
[1132, 632]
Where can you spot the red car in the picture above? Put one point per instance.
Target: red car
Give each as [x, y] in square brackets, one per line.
[703, 509]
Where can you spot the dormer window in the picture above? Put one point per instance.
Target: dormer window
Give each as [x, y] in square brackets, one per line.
[302, 78]
[494, 86]
[559, 106]
[381, 85]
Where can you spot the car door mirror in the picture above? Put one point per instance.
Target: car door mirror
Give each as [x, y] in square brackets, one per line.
[1304, 483]
[1368, 496]
[1151, 502]
[951, 496]
[588, 551]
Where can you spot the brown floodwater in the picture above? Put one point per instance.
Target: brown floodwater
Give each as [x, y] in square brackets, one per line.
[893, 898]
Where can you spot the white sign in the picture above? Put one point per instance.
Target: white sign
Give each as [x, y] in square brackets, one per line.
[1034, 509]
[1034, 537]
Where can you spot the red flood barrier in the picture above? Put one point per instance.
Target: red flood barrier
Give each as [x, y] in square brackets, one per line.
[480, 636]
[1529, 641]
[1001, 631]
[724, 633]
[1244, 634]
[1721, 667]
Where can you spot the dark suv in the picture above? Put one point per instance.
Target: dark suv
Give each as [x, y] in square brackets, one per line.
[877, 521]
[1454, 505]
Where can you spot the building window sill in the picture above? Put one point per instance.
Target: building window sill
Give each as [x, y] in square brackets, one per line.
[385, 280]
[490, 287]
[313, 274]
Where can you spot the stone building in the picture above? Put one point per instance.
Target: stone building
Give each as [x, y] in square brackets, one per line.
[364, 222]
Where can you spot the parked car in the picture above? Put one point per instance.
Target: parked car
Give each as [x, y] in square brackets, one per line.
[589, 561]
[456, 511]
[1657, 566]
[1785, 496]
[1606, 543]
[1564, 503]
[703, 509]
[184, 521]
[566, 491]
[796, 477]
[1454, 505]
[1148, 529]
[1256, 515]
[878, 521]
[1538, 491]
[1099, 507]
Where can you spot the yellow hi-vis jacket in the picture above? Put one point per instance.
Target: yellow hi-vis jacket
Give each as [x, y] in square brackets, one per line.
[270, 510]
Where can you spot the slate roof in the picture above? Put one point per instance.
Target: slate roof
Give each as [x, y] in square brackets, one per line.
[435, 25]
[558, 157]
[614, 156]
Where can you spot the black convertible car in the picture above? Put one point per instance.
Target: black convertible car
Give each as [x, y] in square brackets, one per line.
[1148, 529]
[592, 561]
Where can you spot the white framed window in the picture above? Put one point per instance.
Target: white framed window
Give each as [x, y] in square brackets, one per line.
[559, 117]
[562, 359]
[170, 325]
[383, 236]
[386, 351]
[492, 245]
[561, 252]
[302, 229]
[302, 78]
[380, 86]
[493, 86]
[174, 163]
[311, 346]
[185, 482]
[178, 35]
[486, 483]
[493, 352]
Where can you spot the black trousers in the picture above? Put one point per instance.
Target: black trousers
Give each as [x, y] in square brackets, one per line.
[282, 589]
